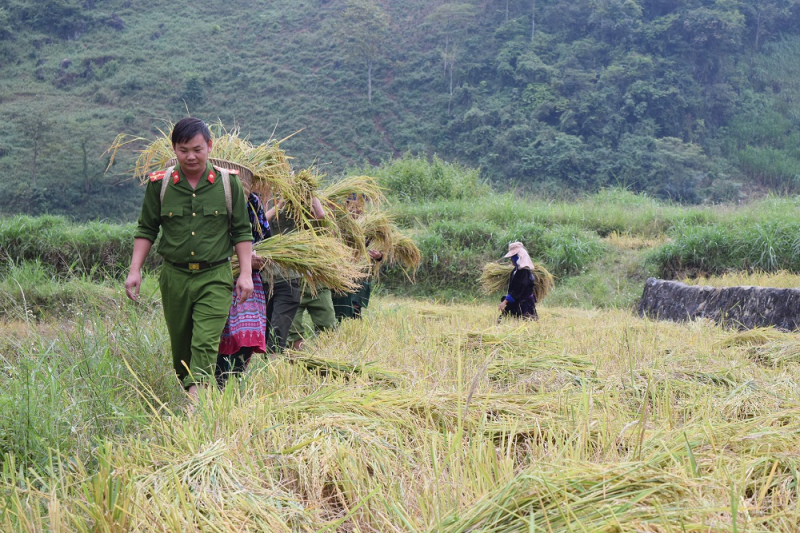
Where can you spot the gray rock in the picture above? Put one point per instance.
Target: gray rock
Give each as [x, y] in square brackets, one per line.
[738, 307]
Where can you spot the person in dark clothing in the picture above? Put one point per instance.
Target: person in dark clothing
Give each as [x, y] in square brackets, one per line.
[286, 295]
[520, 301]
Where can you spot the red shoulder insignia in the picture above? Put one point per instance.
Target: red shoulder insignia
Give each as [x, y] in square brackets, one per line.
[211, 177]
[157, 176]
[176, 177]
[231, 171]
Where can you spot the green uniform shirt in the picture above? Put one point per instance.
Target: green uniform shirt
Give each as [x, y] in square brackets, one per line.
[194, 222]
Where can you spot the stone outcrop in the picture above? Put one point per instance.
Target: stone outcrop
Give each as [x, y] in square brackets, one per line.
[738, 307]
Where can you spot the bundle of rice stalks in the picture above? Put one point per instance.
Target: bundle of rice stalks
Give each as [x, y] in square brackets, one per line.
[334, 368]
[341, 222]
[321, 260]
[378, 229]
[405, 253]
[297, 199]
[510, 368]
[581, 497]
[495, 276]
[775, 353]
[752, 337]
[267, 168]
[397, 248]
[512, 343]
[360, 189]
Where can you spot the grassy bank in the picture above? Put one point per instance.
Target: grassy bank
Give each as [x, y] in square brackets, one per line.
[601, 247]
[421, 417]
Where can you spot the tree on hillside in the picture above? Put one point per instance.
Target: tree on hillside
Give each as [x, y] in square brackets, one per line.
[64, 18]
[766, 16]
[87, 147]
[616, 20]
[37, 131]
[451, 20]
[364, 31]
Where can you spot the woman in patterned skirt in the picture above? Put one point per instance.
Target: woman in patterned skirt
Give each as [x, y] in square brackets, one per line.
[245, 331]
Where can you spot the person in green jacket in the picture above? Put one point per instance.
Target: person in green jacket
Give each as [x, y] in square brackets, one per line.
[198, 236]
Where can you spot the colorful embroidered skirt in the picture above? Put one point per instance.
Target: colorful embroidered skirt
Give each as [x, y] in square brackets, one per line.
[247, 323]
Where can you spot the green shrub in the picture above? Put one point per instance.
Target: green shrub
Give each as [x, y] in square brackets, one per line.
[414, 179]
[767, 245]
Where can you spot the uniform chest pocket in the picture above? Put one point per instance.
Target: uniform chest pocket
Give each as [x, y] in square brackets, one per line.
[215, 211]
[171, 212]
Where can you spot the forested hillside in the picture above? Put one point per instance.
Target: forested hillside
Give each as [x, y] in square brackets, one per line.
[683, 99]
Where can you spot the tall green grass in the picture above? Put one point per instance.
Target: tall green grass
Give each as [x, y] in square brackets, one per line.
[95, 248]
[416, 179]
[764, 236]
[73, 369]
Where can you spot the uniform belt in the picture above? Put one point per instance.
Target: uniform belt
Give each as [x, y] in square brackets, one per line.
[202, 265]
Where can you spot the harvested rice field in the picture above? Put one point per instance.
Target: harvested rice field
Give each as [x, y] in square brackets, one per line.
[422, 417]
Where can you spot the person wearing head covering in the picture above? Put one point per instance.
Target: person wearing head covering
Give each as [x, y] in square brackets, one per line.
[520, 301]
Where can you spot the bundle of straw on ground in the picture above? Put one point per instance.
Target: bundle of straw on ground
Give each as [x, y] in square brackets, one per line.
[321, 260]
[333, 367]
[495, 276]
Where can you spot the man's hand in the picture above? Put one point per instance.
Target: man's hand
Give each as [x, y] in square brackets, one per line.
[256, 262]
[244, 287]
[132, 284]
[141, 247]
[502, 306]
[375, 255]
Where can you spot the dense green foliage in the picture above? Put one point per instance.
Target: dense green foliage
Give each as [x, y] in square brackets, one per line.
[688, 99]
[96, 249]
[762, 238]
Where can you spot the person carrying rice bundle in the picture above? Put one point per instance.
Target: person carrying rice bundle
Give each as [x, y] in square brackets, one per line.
[351, 305]
[286, 295]
[520, 300]
[246, 329]
[200, 212]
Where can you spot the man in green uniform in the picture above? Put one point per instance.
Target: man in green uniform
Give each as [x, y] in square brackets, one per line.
[197, 238]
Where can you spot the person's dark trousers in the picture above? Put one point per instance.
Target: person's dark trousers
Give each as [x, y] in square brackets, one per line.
[342, 305]
[361, 298]
[232, 365]
[281, 308]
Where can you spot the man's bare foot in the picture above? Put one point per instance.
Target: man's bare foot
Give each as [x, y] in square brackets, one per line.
[194, 397]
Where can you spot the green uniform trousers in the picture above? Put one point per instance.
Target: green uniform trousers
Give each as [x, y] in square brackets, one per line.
[196, 306]
[320, 309]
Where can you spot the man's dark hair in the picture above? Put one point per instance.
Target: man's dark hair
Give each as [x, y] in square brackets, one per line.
[186, 129]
